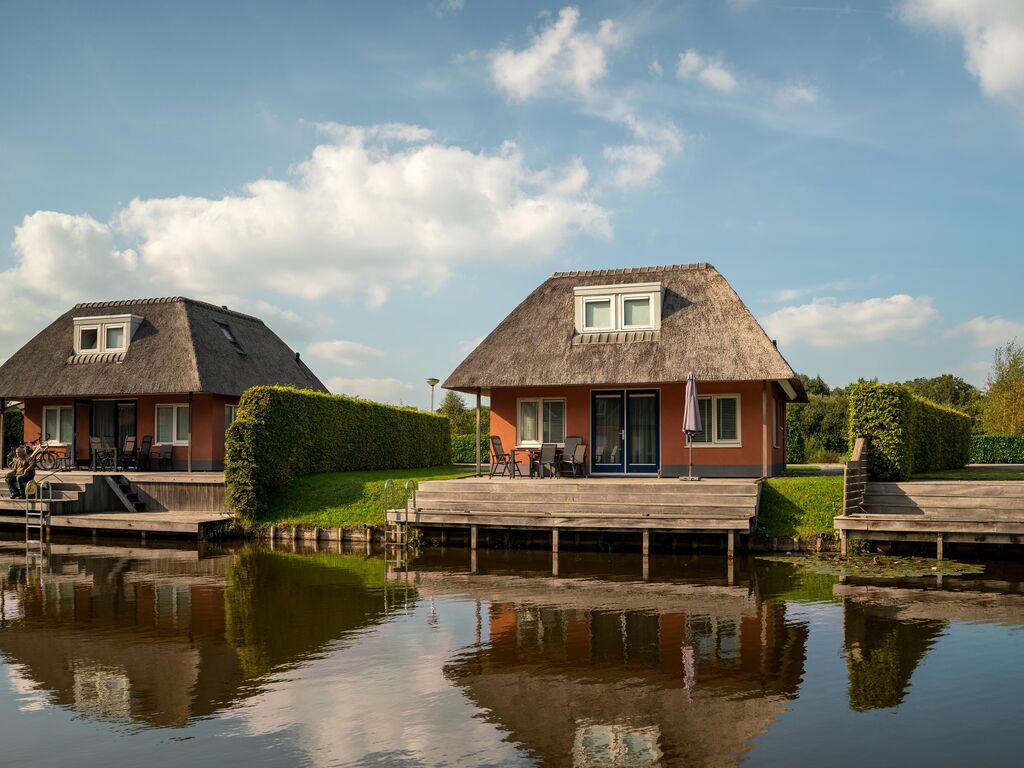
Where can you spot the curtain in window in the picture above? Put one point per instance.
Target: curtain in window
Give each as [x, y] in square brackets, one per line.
[183, 427]
[65, 425]
[598, 314]
[165, 424]
[727, 419]
[704, 436]
[643, 429]
[636, 312]
[529, 427]
[50, 424]
[104, 418]
[554, 421]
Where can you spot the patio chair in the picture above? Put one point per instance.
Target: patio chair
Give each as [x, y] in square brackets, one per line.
[501, 462]
[548, 460]
[142, 455]
[163, 458]
[575, 462]
[102, 453]
[128, 458]
[569, 447]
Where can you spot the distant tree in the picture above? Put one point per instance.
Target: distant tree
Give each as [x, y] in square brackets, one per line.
[13, 432]
[822, 423]
[1003, 412]
[462, 418]
[815, 386]
[950, 390]
[794, 439]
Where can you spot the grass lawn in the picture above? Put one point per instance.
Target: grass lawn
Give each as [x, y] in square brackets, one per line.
[345, 499]
[972, 474]
[799, 506]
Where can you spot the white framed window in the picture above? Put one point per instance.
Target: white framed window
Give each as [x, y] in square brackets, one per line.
[541, 420]
[57, 424]
[88, 339]
[624, 307]
[172, 424]
[230, 414]
[113, 337]
[106, 333]
[598, 314]
[720, 419]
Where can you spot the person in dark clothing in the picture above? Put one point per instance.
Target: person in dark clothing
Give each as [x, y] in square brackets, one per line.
[21, 473]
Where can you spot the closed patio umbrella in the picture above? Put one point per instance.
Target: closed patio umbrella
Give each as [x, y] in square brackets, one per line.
[691, 418]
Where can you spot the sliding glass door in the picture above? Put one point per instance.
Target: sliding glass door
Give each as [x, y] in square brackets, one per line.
[625, 432]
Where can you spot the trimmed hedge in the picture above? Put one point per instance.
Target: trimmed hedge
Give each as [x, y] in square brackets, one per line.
[795, 453]
[464, 452]
[906, 433]
[14, 427]
[997, 449]
[283, 433]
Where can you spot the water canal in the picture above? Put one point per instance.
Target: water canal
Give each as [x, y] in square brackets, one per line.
[156, 656]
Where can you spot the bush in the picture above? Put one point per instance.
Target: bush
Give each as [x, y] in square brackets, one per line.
[906, 433]
[997, 449]
[794, 440]
[14, 432]
[283, 433]
[464, 452]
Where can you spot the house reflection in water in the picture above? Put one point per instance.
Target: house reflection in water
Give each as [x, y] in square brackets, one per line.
[162, 636]
[677, 674]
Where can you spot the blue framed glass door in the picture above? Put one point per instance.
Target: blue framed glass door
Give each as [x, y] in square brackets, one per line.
[607, 432]
[625, 431]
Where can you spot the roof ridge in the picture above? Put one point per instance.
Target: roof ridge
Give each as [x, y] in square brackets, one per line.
[164, 300]
[633, 270]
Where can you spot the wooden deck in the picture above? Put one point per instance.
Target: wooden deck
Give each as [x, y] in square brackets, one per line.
[605, 504]
[192, 524]
[938, 511]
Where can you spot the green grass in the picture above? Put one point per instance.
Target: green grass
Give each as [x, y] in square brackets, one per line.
[345, 499]
[799, 506]
[972, 474]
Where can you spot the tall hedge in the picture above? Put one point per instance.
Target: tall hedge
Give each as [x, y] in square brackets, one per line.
[283, 433]
[14, 421]
[906, 433]
[464, 449]
[997, 449]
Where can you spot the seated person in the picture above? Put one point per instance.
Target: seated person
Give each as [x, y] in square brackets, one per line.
[22, 472]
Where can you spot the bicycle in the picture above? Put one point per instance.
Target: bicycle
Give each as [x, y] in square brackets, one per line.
[38, 450]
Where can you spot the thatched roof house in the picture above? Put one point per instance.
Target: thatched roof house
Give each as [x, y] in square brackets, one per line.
[170, 368]
[587, 349]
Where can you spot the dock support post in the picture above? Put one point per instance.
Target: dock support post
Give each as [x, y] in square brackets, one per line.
[842, 544]
[938, 546]
[554, 563]
[472, 537]
[444, 538]
[730, 571]
[731, 544]
[478, 435]
[647, 541]
[554, 541]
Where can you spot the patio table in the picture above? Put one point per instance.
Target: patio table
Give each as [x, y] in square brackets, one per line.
[534, 454]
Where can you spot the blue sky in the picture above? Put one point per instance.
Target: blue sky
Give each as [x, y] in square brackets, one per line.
[383, 183]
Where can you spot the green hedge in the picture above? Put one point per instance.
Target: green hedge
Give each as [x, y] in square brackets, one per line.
[283, 433]
[795, 453]
[464, 452]
[14, 432]
[997, 449]
[906, 433]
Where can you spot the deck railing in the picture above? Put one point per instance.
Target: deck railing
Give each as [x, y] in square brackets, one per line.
[855, 478]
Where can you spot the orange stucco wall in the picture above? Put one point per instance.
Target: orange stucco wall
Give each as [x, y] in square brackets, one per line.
[746, 459]
[207, 425]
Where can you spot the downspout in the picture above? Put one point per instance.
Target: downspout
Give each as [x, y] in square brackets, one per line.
[3, 414]
[478, 431]
[764, 429]
[189, 432]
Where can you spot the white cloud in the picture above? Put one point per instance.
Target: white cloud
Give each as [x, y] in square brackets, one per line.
[350, 353]
[559, 60]
[637, 163]
[993, 38]
[383, 390]
[989, 332]
[710, 71]
[655, 68]
[796, 93]
[353, 221]
[826, 322]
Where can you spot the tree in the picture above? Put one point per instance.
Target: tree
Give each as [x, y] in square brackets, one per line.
[463, 419]
[815, 386]
[1003, 413]
[950, 390]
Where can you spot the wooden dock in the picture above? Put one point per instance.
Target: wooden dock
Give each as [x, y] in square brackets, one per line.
[588, 504]
[937, 511]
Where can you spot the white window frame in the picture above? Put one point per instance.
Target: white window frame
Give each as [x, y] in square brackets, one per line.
[57, 439]
[233, 410]
[176, 439]
[622, 311]
[99, 339]
[611, 311]
[127, 323]
[540, 420]
[714, 442]
[124, 337]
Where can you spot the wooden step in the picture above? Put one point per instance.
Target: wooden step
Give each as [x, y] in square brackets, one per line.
[747, 489]
[608, 522]
[952, 488]
[708, 500]
[872, 500]
[615, 508]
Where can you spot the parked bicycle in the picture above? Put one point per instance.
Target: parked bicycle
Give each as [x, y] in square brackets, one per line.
[41, 451]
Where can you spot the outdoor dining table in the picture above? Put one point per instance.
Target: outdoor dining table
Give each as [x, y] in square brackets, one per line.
[534, 453]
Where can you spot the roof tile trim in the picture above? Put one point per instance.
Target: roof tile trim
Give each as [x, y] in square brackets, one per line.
[96, 357]
[632, 270]
[163, 300]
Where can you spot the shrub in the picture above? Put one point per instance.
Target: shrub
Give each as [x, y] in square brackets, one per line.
[997, 449]
[906, 433]
[464, 452]
[283, 433]
[794, 440]
[14, 432]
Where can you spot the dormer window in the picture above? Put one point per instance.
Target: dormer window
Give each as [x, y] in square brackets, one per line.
[108, 333]
[629, 307]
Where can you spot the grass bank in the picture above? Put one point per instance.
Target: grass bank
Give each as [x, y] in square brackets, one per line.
[799, 507]
[344, 499]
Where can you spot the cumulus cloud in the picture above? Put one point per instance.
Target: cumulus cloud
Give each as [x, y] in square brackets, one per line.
[796, 93]
[993, 38]
[350, 353]
[827, 322]
[560, 59]
[989, 332]
[637, 163]
[709, 70]
[382, 390]
[372, 208]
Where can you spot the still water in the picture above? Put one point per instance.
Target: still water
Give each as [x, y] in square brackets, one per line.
[112, 655]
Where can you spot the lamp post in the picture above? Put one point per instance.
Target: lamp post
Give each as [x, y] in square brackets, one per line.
[433, 383]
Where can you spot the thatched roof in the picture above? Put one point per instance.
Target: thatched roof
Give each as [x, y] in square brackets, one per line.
[705, 327]
[178, 347]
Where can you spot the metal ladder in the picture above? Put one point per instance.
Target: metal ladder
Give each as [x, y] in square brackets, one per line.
[37, 518]
[396, 542]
